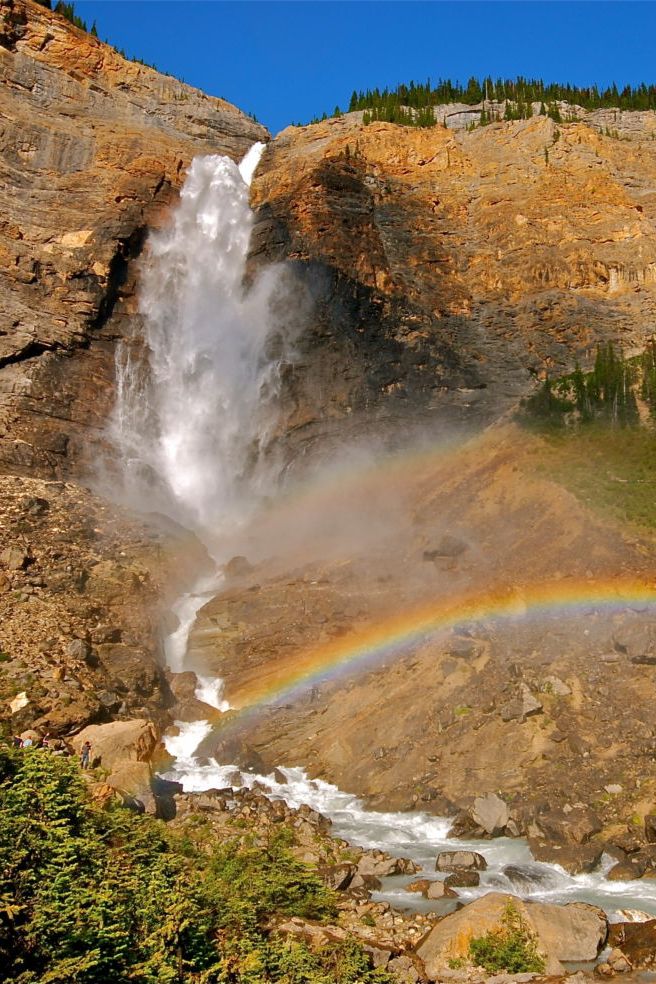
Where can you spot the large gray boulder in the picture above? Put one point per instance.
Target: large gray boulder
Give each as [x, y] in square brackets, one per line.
[571, 933]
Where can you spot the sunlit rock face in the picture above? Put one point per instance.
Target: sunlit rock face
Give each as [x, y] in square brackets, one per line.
[452, 267]
[94, 150]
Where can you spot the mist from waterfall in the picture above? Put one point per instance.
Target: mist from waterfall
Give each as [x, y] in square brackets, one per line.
[196, 397]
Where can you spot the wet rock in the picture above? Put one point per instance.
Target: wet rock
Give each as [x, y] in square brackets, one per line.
[460, 860]
[637, 942]
[574, 858]
[463, 878]
[627, 870]
[491, 813]
[522, 706]
[464, 825]
[431, 889]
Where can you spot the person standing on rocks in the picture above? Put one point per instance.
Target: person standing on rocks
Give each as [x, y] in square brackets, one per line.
[85, 755]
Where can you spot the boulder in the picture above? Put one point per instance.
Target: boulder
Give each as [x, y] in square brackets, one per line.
[637, 942]
[462, 879]
[448, 546]
[431, 889]
[573, 932]
[380, 864]
[459, 860]
[575, 827]
[119, 742]
[574, 858]
[366, 883]
[627, 870]
[554, 685]
[78, 649]
[407, 968]
[238, 567]
[14, 558]
[131, 778]
[522, 706]
[491, 813]
[440, 890]
[337, 876]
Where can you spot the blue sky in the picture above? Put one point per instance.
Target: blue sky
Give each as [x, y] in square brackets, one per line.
[289, 61]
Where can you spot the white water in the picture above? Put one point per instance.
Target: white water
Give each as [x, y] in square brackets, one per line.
[194, 416]
[197, 407]
[419, 836]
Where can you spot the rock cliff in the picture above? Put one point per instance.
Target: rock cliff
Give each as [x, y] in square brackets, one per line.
[93, 149]
[450, 267]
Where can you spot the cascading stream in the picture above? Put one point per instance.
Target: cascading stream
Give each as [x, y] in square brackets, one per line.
[196, 395]
[195, 411]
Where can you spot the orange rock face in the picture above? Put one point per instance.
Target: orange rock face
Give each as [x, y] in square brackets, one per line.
[498, 254]
[93, 150]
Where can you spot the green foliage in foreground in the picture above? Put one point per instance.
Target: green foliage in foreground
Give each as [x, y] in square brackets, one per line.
[510, 947]
[89, 896]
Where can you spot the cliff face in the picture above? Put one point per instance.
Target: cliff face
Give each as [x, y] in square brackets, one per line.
[452, 267]
[93, 149]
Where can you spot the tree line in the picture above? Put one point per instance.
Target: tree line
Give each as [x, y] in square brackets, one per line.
[608, 393]
[419, 96]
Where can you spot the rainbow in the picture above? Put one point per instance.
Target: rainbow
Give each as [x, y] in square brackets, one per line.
[396, 635]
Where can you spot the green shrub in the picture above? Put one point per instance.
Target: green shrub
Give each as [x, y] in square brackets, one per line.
[511, 947]
[89, 896]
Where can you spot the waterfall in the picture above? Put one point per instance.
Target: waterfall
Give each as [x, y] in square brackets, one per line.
[196, 397]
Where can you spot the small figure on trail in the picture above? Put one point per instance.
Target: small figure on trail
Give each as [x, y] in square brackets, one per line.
[85, 755]
[27, 742]
[44, 742]
[16, 741]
